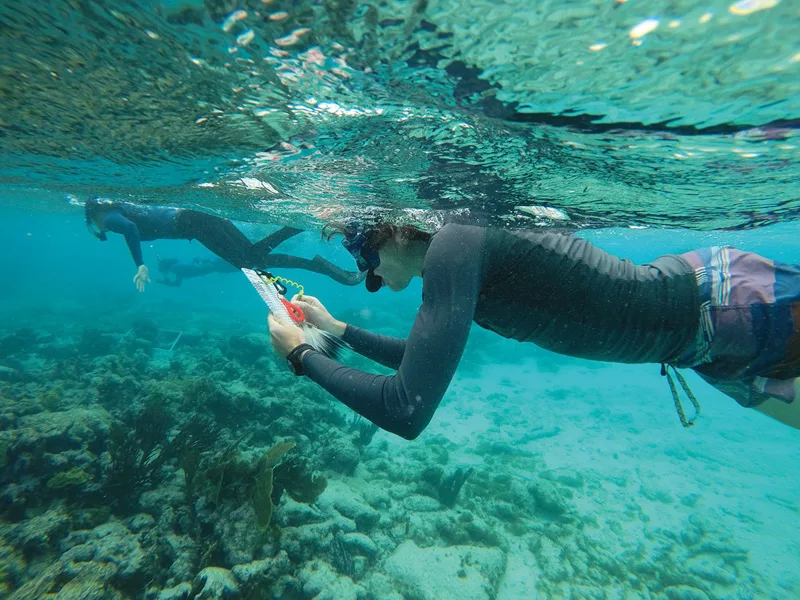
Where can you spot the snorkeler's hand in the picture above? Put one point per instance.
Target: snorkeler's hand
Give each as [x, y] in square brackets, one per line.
[318, 315]
[284, 338]
[141, 278]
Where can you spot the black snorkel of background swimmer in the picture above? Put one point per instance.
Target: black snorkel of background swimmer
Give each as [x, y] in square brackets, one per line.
[367, 259]
[91, 210]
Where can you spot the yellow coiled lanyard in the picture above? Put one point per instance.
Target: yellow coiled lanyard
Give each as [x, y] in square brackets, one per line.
[295, 312]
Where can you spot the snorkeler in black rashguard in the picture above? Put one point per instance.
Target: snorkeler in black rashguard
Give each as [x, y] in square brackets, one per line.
[145, 223]
[731, 316]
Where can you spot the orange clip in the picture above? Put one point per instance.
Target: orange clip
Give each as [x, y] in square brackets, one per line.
[295, 312]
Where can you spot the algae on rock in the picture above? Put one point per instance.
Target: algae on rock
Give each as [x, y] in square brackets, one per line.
[294, 476]
[74, 478]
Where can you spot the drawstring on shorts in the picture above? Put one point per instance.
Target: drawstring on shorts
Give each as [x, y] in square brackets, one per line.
[665, 372]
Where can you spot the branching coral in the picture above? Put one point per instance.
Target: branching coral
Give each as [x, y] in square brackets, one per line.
[196, 437]
[216, 473]
[137, 451]
[340, 556]
[451, 485]
[365, 429]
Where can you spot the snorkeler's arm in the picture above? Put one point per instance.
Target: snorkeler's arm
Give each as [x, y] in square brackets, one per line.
[114, 221]
[383, 349]
[404, 403]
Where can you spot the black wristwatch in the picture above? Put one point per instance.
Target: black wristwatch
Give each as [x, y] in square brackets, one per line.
[293, 358]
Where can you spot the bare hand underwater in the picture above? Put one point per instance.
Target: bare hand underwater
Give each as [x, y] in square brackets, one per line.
[563, 294]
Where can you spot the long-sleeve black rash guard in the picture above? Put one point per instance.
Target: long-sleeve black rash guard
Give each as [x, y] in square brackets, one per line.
[141, 223]
[426, 362]
[559, 292]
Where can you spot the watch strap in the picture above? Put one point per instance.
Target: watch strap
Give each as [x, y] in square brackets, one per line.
[294, 357]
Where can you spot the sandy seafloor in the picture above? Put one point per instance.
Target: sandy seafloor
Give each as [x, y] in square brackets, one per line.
[585, 485]
[736, 469]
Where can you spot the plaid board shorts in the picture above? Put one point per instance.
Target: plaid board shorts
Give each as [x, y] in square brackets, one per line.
[748, 342]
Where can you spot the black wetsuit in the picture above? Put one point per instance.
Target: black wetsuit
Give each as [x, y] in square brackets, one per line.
[175, 271]
[559, 292]
[146, 223]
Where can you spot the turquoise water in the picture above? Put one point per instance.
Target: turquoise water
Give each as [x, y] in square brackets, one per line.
[133, 427]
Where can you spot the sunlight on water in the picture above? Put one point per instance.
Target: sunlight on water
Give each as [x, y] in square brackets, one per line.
[432, 105]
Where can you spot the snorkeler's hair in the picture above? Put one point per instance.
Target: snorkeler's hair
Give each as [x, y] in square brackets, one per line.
[376, 236]
[95, 207]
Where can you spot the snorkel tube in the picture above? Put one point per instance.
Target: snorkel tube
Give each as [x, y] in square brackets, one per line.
[94, 231]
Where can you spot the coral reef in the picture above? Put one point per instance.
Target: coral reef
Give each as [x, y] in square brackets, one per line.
[216, 474]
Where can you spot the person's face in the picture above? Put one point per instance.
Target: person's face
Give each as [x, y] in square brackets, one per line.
[394, 268]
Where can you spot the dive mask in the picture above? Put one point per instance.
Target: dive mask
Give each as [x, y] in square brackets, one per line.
[355, 241]
[367, 260]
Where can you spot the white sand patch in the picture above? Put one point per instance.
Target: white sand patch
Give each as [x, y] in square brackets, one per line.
[736, 470]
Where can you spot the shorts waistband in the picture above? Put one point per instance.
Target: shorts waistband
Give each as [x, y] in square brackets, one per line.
[713, 277]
